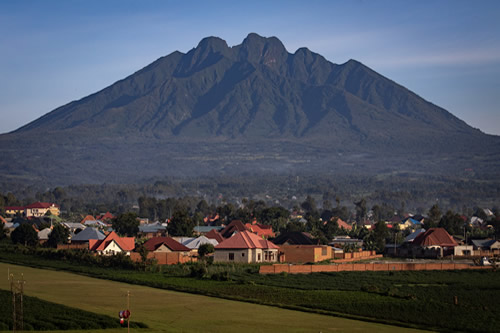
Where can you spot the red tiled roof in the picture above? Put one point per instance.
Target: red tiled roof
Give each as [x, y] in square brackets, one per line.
[14, 208]
[106, 216]
[235, 225]
[260, 229]
[87, 218]
[155, 242]
[125, 243]
[44, 205]
[435, 236]
[342, 224]
[214, 234]
[246, 240]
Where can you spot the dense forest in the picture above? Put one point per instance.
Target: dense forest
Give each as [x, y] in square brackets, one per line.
[274, 201]
[404, 192]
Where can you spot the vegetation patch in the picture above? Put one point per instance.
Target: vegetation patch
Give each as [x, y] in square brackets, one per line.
[40, 315]
[440, 300]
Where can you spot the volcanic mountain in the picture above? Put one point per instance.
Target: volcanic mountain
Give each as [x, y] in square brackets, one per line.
[253, 107]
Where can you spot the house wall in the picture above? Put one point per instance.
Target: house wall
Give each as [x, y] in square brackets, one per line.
[302, 254]
[238, 255]
[113, 248]
[14, 211]
[246, 255]
[163, 248]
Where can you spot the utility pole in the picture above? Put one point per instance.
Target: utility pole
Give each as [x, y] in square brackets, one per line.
[17, 290]
[128, 309]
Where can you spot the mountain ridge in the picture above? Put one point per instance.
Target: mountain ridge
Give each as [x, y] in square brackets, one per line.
[248, 97]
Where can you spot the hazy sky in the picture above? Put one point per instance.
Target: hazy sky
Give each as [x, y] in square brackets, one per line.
[53, 52]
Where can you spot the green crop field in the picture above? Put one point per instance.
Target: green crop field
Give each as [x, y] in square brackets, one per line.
[168, 311]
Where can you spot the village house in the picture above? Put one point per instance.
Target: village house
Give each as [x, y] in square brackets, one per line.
[166, 251]
[262, 230]
[214, 234]
[295, 238]
[151, 230]
[195, 243]
[435, 242]
[112, 244]
[305, 253]
[234, 227]
[165, 244]
[246, 247]
[36, 209]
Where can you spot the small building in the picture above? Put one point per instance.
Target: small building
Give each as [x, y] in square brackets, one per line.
[262, 230]
[195, 243]
[232, 228]
[205, 229]
[36, 209]
[152, 230]
[491, 245]
[43, 235]
[295, 238]
[246, 247]
[305, 253]
[165, 244]
[342, 241]
[435, 242]
[214, 234]
[112, 244]
[86, 235]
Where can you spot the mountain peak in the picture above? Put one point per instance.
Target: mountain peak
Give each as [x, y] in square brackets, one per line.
[214, 44]
[269, 51]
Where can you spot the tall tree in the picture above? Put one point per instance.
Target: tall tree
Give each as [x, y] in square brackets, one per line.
[452, 222]
[309, 205]
[380, 234]
[126, 224]
[180, 224]
[360, 210]
[434, 217]
[59, 235]
[25, 235]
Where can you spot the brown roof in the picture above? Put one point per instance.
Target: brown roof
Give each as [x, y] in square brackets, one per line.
[154, 243]
[246, 240]
[214, 234]
[14, 208]
[342, 224]
[260, 229]
[295, 238]
[39, 204]
[234, 226]
[125, 243]
[435, 236]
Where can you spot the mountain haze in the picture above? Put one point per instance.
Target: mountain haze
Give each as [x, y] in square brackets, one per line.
[253, 107]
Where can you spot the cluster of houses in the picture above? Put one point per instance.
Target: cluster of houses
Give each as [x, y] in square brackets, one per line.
[245, 242]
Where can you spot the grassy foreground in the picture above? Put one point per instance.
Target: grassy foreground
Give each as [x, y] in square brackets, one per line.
[168, 311]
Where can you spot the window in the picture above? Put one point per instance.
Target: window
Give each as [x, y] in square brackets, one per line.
[243, 254]
[231, 256]
[324, 251]
[258, 257]
[266, 256]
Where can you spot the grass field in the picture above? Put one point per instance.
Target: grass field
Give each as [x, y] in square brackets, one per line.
[168, 311]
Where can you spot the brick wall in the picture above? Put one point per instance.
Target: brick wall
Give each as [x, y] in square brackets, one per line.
[165, 258]
[305, 269]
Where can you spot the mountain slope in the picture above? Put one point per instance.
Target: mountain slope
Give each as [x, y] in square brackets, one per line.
[254, 99]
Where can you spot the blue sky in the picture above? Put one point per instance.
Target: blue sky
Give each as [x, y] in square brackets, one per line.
[53, 52]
